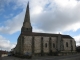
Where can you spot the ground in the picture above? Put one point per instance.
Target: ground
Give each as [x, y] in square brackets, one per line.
[69, 57]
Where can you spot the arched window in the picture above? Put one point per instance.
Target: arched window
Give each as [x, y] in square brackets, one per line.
[66, 44]
[53, 45]
[46, 45]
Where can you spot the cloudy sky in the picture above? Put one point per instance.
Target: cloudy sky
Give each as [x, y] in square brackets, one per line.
[48, 16]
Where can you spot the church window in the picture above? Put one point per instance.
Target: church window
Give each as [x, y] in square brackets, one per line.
[53, 45]
[45, 44]
[66, 44]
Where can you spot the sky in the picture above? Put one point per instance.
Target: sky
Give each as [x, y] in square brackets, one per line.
[46, 16]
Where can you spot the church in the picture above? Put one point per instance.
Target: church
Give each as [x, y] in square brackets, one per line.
[41, 44]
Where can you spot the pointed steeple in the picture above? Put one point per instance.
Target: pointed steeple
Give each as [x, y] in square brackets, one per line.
[27, 15]
[26, 24]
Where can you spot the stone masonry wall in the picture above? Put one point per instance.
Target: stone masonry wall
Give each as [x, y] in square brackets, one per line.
[53, 41]
[46, 41]
[69, 44]
[37, 44]
[74, 44]
[46, 49]
[27, 44]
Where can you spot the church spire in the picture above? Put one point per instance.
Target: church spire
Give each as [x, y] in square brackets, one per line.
[27, 15]
[26, 24]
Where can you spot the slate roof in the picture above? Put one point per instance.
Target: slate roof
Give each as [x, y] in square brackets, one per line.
[40, 34]
[66, 36]
[46, 34]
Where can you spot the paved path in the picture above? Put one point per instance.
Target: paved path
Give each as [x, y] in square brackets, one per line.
[70, 57]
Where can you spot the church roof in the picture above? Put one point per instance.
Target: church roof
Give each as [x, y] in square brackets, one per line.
[46, 34]
[40, 34]
[66, 36]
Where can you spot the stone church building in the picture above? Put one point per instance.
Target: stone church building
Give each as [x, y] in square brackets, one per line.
[42, 43]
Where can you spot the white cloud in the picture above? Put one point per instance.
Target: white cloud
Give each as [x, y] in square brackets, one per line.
[37, 10]
[37, 30]
[13, 25]
[77, 39]
[6, 44]
[65, 3]
[74, 27]
[59, 19]
[48, 16]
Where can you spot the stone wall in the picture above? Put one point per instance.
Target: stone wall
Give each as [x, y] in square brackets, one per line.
[71, 44]
[18, 46]
[74, 44]
[46, 44]
[37, 44]
[66, 40]
[53, 44]
[27, 44]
